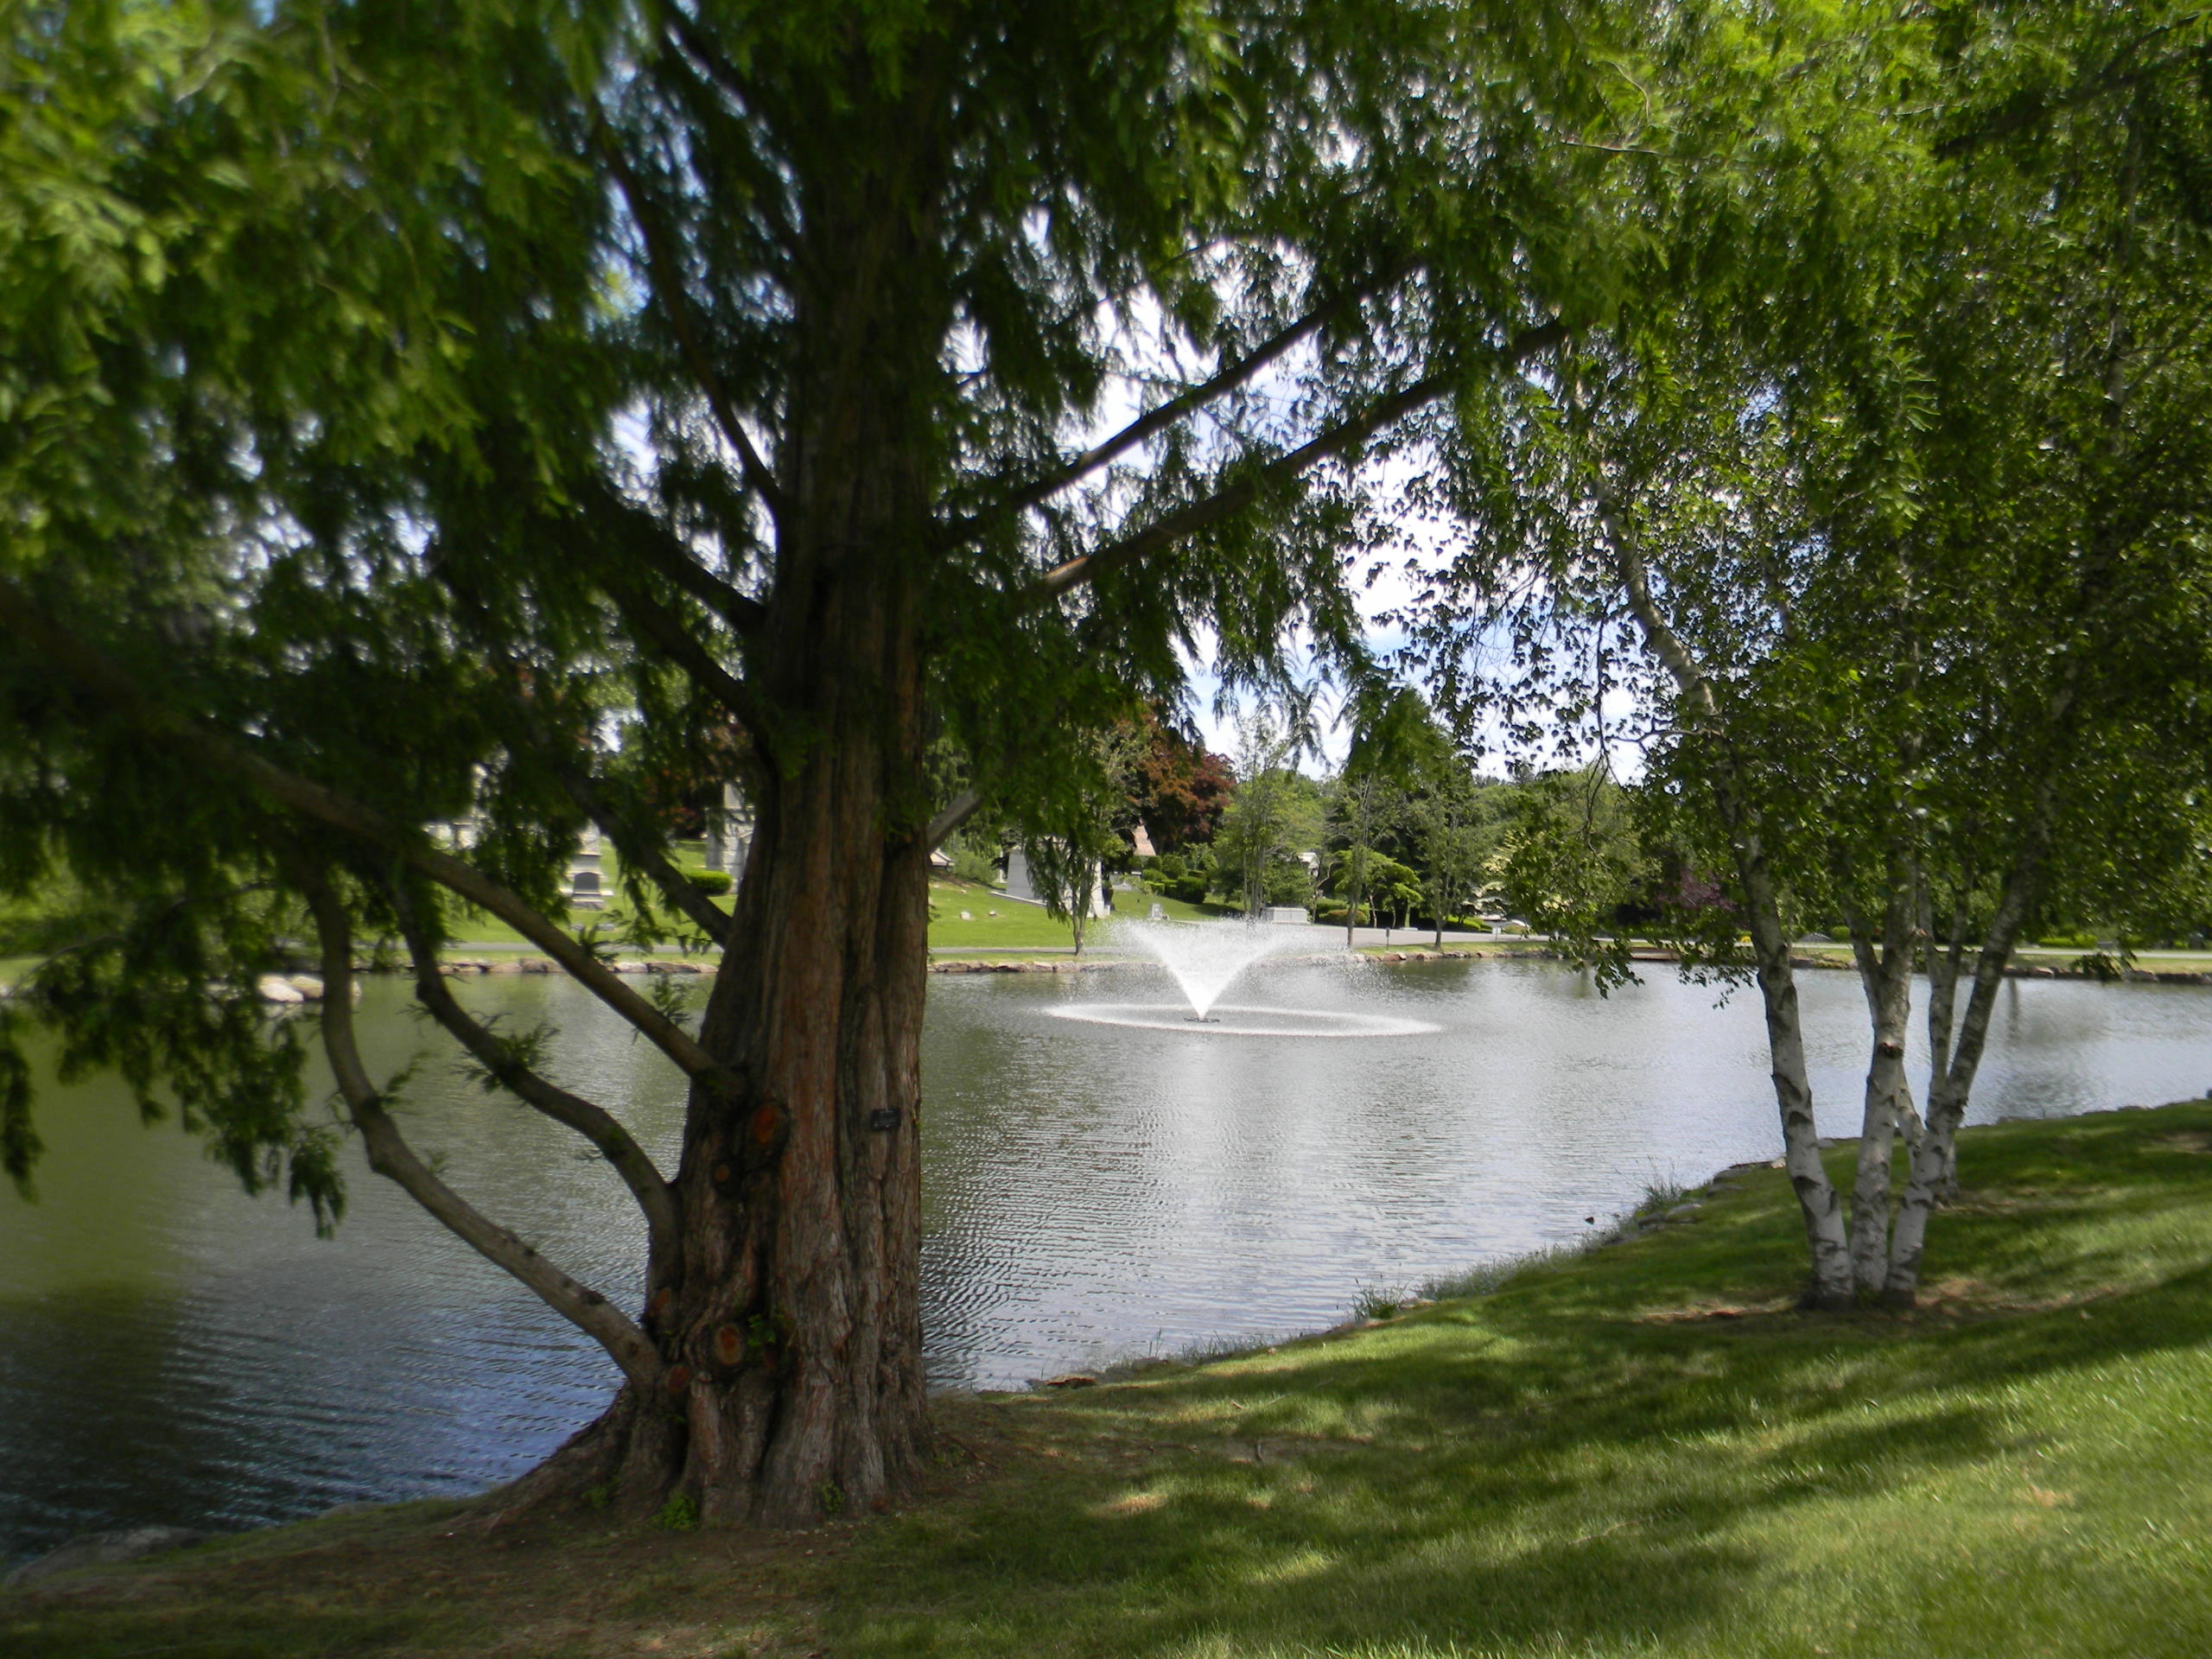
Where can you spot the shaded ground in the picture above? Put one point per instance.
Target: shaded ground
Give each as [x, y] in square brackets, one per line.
[1642, 1450]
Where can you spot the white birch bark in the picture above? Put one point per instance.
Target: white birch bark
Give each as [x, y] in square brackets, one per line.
[1817, 1200]
[1886, 974]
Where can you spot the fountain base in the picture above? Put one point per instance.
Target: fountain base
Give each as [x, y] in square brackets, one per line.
[1241, 1022]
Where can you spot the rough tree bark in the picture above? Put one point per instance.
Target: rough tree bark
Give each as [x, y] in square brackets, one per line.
[791, 1328]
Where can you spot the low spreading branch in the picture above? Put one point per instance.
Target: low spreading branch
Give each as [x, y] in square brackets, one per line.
[392, 1157]
[651, 541]
[954, 813]
[98, 674]
[659, 623]
[664, 1225]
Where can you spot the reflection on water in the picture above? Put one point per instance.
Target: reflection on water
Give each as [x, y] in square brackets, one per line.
[171, 1351]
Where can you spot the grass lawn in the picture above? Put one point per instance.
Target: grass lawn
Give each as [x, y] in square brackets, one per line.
[1640, 1450]
[1020, 927]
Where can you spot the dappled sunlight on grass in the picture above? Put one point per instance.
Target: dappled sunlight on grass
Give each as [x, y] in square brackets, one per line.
[1637, 1449]
[1587, 1456]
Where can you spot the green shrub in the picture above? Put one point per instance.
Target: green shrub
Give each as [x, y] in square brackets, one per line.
[972, 864]
[709, 881]
[1178, 875]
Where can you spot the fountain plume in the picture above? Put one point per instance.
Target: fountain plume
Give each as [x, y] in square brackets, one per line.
[1206, 957]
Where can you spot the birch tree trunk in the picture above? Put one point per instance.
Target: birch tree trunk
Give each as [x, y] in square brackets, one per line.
[1886, 974]
[1933, 1176]
[1818, 1204]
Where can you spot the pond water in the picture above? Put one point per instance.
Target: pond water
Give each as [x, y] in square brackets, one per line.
[172, 1351]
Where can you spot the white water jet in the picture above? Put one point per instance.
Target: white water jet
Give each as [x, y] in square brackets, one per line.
[1206, 956]
[1205, 959]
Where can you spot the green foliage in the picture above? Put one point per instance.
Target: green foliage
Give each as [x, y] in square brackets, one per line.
[1187, 876]
[1384, 883]
[679, 1514]
[713, 883]
[1076, 837]
[974, 861]
[525, 1050]
[19, 1141]
[671, 998]
[432, 417]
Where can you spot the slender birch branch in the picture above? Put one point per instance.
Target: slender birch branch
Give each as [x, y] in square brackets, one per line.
[391, 1156]
[1825, 1235]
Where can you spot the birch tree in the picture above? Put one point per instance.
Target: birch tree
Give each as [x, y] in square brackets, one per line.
[1824, 550]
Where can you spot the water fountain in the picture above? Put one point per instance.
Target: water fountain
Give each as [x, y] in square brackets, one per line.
[1204, 959]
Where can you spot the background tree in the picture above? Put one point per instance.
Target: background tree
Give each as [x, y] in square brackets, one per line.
[1182, 788]
[1456, 833]
[1273, 815]
[1759, 532]
[1391, 737]
[1571, 858]
[1075, 839]
[1361, 805]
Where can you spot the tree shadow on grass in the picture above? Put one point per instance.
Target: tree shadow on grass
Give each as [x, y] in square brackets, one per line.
[1606, 1482]
[57, 1631]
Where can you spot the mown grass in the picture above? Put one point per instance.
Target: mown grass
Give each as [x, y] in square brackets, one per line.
[1017, 926]
[1641, 1449]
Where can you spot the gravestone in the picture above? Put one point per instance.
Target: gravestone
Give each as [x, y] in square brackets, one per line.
[730, 832]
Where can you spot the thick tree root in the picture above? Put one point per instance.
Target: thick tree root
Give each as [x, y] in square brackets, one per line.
[628, 1460]
[637, 1457]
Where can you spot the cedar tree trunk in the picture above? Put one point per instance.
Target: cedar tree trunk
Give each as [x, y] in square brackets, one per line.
[792, 1331]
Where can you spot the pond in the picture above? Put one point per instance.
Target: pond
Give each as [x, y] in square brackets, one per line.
[171, 1351]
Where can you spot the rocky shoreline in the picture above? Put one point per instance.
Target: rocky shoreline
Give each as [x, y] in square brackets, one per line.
[287, 988]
